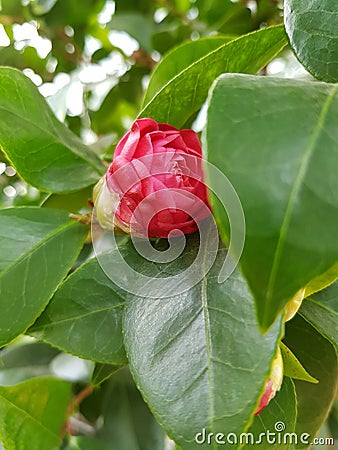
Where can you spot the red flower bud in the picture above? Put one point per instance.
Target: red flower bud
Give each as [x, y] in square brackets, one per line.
[273, 384]
[156, 181]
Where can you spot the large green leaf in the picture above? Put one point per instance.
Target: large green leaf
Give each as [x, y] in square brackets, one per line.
[284, 172]
[193, 354]
[33, 413]
[278, 417]
[312, 28]
[44, 152]
[179, 59]
[314, 401]
[87, 303]
[38, 247]
[177, 100]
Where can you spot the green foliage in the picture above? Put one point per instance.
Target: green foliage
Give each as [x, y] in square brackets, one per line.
[198, 358]
[179, 59]
[25, 119]
[322, 318]
[33, 413]
[21, 362]
[292, 366]
[192, 354]
[320, 358]
[312, 29]
[39, 246]
[89, 301]
[278, 179]
[247, 54]
[127, 419]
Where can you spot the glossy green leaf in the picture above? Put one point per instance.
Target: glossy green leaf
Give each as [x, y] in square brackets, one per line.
[292, 366]
[21, 362]
[312, 28]
[179, 59]
[87, 303]
[187, 91]
[33, 413]
[128, 423]
[319, 356]
[286, 182]
[191, 355]
[44, 152]
[322, 318]
[279, 417]
[38, 247]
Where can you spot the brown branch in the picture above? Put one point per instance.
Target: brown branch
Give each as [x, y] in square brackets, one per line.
[75, 402]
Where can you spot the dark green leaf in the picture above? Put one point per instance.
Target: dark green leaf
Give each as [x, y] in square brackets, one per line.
[87, 304]
[312, 28]
[44, 152]
[21, 362]
[179, 59]
[33, 413]
[192, 354]
[293, 368]
[185, 93]
[319, 357]
[38, 247]
[321, 318]
[328, 297]
[287, 182]
[280, 414]
[128, 423]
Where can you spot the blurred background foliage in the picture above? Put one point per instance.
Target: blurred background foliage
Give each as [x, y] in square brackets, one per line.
[92, 60]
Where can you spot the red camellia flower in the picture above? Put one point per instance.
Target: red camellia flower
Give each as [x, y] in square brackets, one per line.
[156, 180]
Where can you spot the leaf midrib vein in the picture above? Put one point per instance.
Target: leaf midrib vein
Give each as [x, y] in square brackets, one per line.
[204, 295]
[308, 153]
